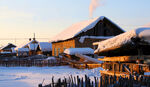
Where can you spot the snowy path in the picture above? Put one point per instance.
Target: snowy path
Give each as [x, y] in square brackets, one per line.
[32, 76]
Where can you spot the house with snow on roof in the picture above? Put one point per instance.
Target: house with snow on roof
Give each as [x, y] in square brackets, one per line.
[44, 48]
[9, 50]
[83, 34]
[35, 47]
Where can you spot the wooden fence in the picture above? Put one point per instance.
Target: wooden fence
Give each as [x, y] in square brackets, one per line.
[103, 81]
[28, 63]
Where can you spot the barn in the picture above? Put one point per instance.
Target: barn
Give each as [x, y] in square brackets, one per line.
[84, 33]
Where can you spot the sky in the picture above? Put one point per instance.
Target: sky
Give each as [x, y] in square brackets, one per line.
[46, 18]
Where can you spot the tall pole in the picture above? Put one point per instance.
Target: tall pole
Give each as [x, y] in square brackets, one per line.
[34, 43]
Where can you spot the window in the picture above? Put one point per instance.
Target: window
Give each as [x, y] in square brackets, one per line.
[55, 51]
[58, 51]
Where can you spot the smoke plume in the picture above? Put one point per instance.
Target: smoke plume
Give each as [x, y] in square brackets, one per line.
[93, 5]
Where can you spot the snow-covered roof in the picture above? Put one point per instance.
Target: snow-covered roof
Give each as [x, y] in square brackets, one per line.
[118, 41]
[73, 51]
[30, 44]
[23, 49]
[45, 46]
[81, 40]
[78, 28]
[9, 45]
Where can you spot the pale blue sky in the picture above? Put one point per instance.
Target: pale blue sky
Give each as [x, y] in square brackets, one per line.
[21, 18]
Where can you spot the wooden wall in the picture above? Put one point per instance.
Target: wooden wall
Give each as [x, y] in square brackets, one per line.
[73, 43]
[87, 42]
[62, 45]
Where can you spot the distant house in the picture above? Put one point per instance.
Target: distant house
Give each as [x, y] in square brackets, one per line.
[83, 34]
[8, 48]
[34, 47]
[44, 48]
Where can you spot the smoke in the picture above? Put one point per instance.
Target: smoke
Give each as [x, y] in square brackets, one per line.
[93, 5]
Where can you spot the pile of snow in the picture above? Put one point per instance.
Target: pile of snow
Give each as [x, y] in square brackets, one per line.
[51, 58]
[117, 41]
[94, 37]
[23, 49]
[73, 51]
[45, 46]
[88, 58]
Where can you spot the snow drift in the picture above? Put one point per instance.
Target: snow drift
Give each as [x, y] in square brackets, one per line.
[73, 51]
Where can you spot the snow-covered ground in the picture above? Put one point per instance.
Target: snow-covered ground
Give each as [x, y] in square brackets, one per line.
[32, 76]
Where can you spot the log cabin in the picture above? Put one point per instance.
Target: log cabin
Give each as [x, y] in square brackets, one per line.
[83, 34]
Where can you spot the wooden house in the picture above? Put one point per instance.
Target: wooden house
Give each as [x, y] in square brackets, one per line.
[32, 46]
[44, 48]
[83, 34]
[8, 48]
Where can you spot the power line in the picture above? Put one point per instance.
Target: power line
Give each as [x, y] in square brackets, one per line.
[22, 38]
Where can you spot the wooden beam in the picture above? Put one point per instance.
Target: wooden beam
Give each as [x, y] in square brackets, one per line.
[121, 58]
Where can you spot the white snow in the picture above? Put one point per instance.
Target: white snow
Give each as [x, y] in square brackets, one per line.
[51, 58]
[45, 46]
[88, 58]
[13, 50]
[5, 52]
[143, 33]
[23, 49]
[73, 51]
[146, 73]
[33, 46]
[81, 40]
[32, 76]
[77, 28]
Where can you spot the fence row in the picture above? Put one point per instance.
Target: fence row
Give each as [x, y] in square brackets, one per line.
[28, 63]
[103, 81]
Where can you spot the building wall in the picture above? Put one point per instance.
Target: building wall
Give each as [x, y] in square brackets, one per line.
[88, 42]
[59, 47]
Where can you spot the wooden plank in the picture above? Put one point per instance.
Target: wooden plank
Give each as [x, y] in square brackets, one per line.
[121, 58]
